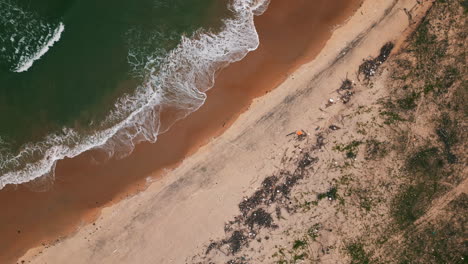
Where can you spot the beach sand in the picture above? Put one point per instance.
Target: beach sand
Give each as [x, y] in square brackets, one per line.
[176, 216]
[42, 213]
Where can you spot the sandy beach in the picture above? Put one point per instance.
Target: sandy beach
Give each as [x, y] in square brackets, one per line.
[233, 182]
[81, 188]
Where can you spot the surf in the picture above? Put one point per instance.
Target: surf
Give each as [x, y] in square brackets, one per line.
[27, 61]
[184, 76]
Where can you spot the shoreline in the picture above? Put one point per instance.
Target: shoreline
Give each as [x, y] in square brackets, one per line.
[377, 174]
[178, 217]
[76, 199]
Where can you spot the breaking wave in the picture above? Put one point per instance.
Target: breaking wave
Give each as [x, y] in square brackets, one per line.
[26, 62]
[178, 83]
[26, 37]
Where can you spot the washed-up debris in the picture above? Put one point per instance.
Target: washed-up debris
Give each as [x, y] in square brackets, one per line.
[234, 243]
[334, 128]
[300, 134]
[256, 209]
[260, 218]
[240, 260]
[346, 96]
[369, 67]
[306, 161]
[346, 85]
[261, 196]
[320, 142]
[345, 91]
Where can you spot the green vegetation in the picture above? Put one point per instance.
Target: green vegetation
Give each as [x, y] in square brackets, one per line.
[375, 149]
[350, 149]
[331, 194]
[464, 3]
[447, 133]
[409, 101]
[358, 254]
[297, 253]
[423, 38]
[299, 257]
[407, 206]
[424, 170]
[426, 163]
[391, 117]
[441, 242]
[313, 232]
[365, 202]
[299, 244]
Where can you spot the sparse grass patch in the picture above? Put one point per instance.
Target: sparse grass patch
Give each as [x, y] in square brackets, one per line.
[375, 149]
[391, 117]
[447, 133]
[409, 101]
[294, 255]
[443, 241]
[300, 243]
[423, 36]
[407, 206]
[331, 194]
[350, 149]
[460, 97]
[365, 202]
[424, 170]
[299, 257]
[450, 75]
[358, 254]
[425, 163]
[464, 3]
[313, 231]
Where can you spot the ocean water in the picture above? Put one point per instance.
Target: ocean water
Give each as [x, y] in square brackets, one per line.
[77, 75]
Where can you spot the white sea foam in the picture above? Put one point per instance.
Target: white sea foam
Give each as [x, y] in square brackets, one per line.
[25, 37]
[26, 62]
[187, 72]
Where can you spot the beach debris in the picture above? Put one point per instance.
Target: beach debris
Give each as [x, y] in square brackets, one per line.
[320, 141]
[345, 90]
[346, 96]
[369, 67]
[260, 218]
[258, 210]
[261, 196]
[334, 128]
[306, 161]
[330, 102]
[238, 260]
[300, 134]
[233, 244]
[347, 84]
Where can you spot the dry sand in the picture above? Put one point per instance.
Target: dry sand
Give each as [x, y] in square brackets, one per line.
[175, 218]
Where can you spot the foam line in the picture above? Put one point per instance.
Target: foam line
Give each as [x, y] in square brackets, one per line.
[27, 62]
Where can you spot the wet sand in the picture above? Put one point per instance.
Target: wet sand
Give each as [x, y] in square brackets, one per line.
[290, 35]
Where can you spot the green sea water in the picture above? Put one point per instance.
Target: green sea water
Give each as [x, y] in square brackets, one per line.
[79, 74]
